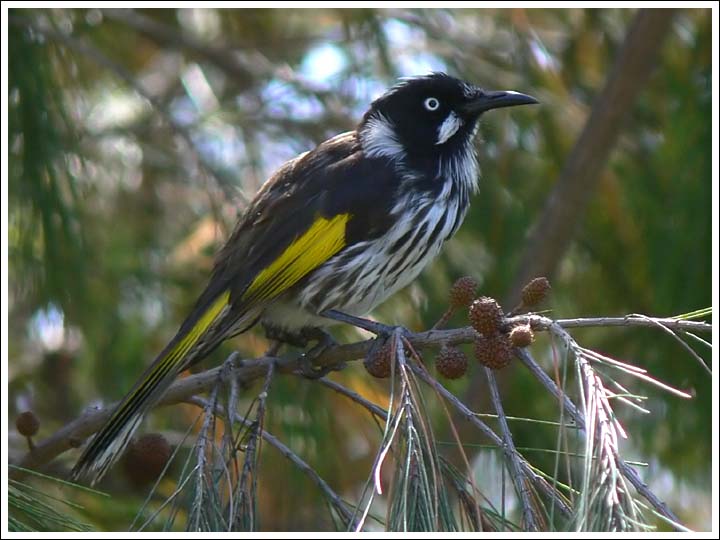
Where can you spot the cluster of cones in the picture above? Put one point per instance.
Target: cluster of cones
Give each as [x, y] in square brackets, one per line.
[494, 340]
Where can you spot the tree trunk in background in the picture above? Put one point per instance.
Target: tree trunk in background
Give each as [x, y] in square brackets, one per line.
[551, 236]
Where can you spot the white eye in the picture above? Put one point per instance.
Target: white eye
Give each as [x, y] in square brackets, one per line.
[431, 104]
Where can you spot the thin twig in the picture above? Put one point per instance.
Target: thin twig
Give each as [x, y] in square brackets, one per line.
[472, 417]
[245, 371]
[530, 520]
[391, 424]
[153, 490]
[247, 69]
[633, 320]
[232, 401]
[83, 47]
[335, 499]
[677, 338]
[477, 513]
[252, 452]
[198, 504]
[168, 500]
[698, 339]
[232, 398]
[629, 369]
[354, 396]
[569, 406]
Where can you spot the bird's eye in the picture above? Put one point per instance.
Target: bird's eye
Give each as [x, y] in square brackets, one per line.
[431, 104]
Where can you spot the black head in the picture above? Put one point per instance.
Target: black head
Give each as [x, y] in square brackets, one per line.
[429, 115]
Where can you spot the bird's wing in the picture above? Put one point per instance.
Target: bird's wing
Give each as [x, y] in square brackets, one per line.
[309, 211]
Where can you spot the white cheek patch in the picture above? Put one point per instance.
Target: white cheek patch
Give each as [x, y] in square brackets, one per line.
[379, 139]
[448, 128]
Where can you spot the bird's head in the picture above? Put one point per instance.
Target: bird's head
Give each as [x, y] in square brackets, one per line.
[429, 116]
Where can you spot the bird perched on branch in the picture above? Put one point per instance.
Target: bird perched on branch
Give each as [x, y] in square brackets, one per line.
[337, 230]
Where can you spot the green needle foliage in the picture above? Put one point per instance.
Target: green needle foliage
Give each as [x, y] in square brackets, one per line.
[35, 509]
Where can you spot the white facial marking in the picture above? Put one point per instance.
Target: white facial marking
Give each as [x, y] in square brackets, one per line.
[448, 128]
[378, 139]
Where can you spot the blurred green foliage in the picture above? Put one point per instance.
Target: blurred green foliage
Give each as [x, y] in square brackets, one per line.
[117, 205]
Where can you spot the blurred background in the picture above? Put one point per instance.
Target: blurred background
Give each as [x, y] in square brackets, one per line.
[136, 137]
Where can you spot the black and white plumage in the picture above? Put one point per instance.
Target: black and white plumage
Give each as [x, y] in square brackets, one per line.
[341, 227]
[414, 153]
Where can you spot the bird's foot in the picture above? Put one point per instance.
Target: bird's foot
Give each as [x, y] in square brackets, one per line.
[324, 342]
[398, 336]
[301, 339]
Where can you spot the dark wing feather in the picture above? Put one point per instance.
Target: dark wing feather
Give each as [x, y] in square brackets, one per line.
[334, 178]
[334, 182]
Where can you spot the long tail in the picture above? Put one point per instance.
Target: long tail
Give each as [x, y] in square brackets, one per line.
[196, 338]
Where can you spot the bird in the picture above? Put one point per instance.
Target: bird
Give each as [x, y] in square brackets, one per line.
[336, 230]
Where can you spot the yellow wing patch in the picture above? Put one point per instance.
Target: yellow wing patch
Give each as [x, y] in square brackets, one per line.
[176, 355]
[202, 325]
[320, 242]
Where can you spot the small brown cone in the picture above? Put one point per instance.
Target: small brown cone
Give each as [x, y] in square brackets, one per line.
[462, 292]
[485, 315]
[522, 336]
[379, 362]
[451, 362]
[27, 424]
[535, 292]
[494, 352]
[145, 458]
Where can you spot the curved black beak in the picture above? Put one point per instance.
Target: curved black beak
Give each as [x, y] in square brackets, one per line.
[494, 100]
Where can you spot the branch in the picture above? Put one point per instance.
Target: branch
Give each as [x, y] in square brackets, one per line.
[635, 320]
[473, 418]
[518, 476]
[248, 480]
[247, 69]
[246, 371]
[627, 471]
[301, 464]
[232, 63]
[223, 180]
[374, 409]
